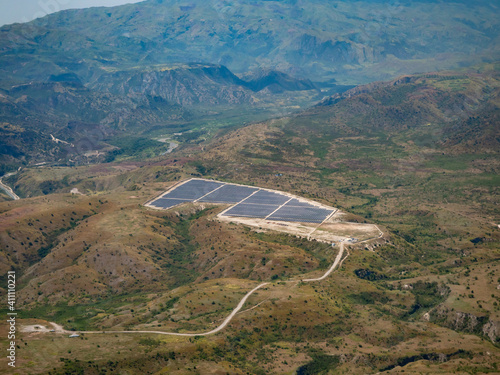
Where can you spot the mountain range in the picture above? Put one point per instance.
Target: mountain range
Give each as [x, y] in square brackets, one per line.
[159, 68]
[388, 111]
[351, 41]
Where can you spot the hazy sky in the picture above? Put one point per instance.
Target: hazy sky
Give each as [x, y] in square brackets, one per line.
[25, 10]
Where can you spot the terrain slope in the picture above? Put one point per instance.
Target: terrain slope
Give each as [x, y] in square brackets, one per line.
[417, 156]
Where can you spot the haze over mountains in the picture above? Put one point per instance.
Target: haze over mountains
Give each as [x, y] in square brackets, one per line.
[311, 39]
[168, 66]
[388, 111]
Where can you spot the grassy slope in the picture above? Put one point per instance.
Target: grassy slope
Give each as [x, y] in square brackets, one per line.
[432, 193]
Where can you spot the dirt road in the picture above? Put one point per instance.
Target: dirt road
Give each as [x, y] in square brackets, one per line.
[59, 329]
[222, 326]
[334, 265]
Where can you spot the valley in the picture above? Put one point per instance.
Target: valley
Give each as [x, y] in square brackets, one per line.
[245, 187]
[395, 301]
[133, 82]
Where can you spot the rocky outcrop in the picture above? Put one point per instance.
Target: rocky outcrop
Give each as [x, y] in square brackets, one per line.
[492, 330]
[465, 322]
[186, 85]
[192, 84]
[278, 82]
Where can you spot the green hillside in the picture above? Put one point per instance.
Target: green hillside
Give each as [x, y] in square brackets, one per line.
[417, 156]
[388, 111]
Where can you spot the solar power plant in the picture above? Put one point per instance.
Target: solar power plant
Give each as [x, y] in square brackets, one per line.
[251, 210]
[229, 194]
[167, 202]
[250, 202]
[267, 197]
[193, 189]
[310, 214]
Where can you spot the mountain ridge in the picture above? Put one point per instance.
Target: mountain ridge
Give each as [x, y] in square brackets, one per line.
[295, 37]
[128, 102]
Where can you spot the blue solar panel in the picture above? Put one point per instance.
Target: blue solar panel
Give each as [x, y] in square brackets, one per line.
[167, 203]
[251, 210]
[193, 189]
[228, 194]
[267, 197]
[301, 214]
[296, 203]
[255, 203]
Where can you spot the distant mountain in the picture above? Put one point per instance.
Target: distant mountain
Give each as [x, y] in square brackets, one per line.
[194, 84]
[462, 108]
[125, 102]
[277, 82]
[423, 115]
[352, 41]
[171, 66]
[32, 114]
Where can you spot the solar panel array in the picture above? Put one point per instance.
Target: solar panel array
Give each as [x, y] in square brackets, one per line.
[229, 194]
[193, 189]
[296, 203]
[310, 214]
[167, 202]
[267, 197]
[253, 202]
[251, 210]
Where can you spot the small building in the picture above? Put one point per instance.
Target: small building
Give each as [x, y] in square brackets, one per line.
[74, 335]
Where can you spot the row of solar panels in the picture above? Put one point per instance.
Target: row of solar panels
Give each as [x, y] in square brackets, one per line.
[253, 202]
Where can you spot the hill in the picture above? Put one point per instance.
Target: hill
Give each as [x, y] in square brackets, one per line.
[418, 156]
[139, 105]
[112, 81]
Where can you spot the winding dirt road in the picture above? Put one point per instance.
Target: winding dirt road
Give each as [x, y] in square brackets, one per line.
[221, 327]
[334, 265]
[237, 308]
[338, 260]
